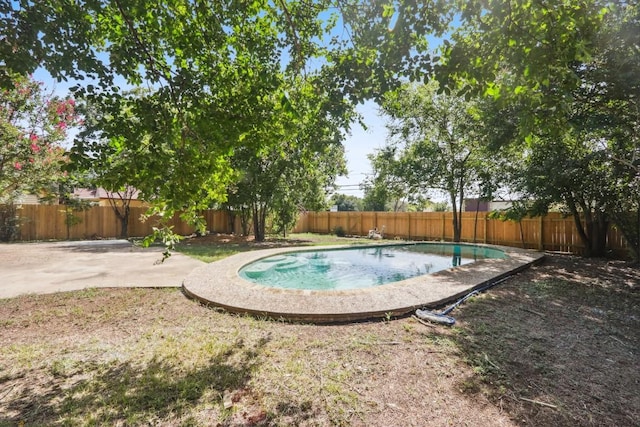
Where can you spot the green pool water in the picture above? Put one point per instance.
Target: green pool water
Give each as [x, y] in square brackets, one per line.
[361, 267]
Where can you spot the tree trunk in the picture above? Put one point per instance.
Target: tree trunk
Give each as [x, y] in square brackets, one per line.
[594, 232]
[629, 225]
[245, 214]
[456, 229]
[475, 221]
[124, 225]
[231, 218]
[600, 228]
[259, 216]
[457, 210]
[123, 216]
[122, 212]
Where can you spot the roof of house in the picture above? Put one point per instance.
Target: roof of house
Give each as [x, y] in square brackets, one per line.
[98, 193]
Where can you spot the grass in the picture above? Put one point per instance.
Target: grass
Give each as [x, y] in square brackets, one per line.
[327, 239]
[554, 346]
[209, 254]
[215, 248]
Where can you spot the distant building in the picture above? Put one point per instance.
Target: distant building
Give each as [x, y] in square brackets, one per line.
[27, 199]
[101, 197]
[471, 205]
[98, 196]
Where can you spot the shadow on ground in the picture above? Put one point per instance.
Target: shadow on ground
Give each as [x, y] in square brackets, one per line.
[557, 346]
[128, 393]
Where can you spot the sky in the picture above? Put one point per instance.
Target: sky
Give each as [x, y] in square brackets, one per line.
[357, 145]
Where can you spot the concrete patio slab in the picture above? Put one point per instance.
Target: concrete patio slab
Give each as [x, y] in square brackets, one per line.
[50, 267]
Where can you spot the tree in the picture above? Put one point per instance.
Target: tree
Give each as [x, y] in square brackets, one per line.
[300, 159]
[582, 158]
[438, 146]
[112, 153]
[375, 198]
[510, 50]
[346, 203]
[609, 98]
[212, 68]
[33, 126]
[386, 189]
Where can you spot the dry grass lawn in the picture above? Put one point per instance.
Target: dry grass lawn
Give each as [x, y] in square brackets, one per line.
[558, 345]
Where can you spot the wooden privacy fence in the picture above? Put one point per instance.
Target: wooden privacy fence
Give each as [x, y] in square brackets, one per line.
[553, 232]
[55, 222]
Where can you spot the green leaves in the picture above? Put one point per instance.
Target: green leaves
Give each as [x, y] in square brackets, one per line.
[250, 85]
[287, 162]
[32, 128]
[516, 49]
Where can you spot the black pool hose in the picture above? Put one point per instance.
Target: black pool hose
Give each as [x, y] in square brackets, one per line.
[443, 317]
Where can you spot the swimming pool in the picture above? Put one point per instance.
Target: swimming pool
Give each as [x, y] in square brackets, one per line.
[220, 284]
[357, 268]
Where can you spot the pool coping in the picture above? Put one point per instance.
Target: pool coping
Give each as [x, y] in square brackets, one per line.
[219, 284]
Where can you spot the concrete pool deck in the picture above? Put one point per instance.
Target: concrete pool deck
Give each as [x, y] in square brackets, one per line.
[218, 284]
[48, 267]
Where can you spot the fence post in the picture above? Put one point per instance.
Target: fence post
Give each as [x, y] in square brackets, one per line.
[541, 239]
[443, 225]
[486, 218]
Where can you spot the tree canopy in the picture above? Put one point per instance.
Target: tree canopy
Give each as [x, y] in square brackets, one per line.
[215, 73]
[580, 156]
[288, 164]
[434, 144]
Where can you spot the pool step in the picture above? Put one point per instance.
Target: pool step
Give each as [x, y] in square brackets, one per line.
[295, 264]
[258, 270]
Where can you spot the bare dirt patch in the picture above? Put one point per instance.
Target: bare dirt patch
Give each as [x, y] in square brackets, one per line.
[555, 345]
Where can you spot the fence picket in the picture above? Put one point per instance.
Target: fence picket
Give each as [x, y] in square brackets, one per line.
[553, 232]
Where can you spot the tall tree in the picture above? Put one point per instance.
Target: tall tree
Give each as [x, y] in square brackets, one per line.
[112, 152]
[511, 49]
[346, 203]
[211, 63]
[386, 189]
[299, 161]
[212, 69]
[610, 114]
[581, 155]
[439, 147]
[214, 66]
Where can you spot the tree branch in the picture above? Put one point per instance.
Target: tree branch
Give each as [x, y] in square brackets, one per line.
[296, 41]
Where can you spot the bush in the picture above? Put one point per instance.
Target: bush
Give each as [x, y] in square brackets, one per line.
[339, 231]
[9, 223]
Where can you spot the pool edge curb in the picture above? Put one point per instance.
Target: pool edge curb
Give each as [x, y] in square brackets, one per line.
[218, 285]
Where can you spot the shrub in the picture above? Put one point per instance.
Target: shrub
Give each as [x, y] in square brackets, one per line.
[339, 231]
[9, 222]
